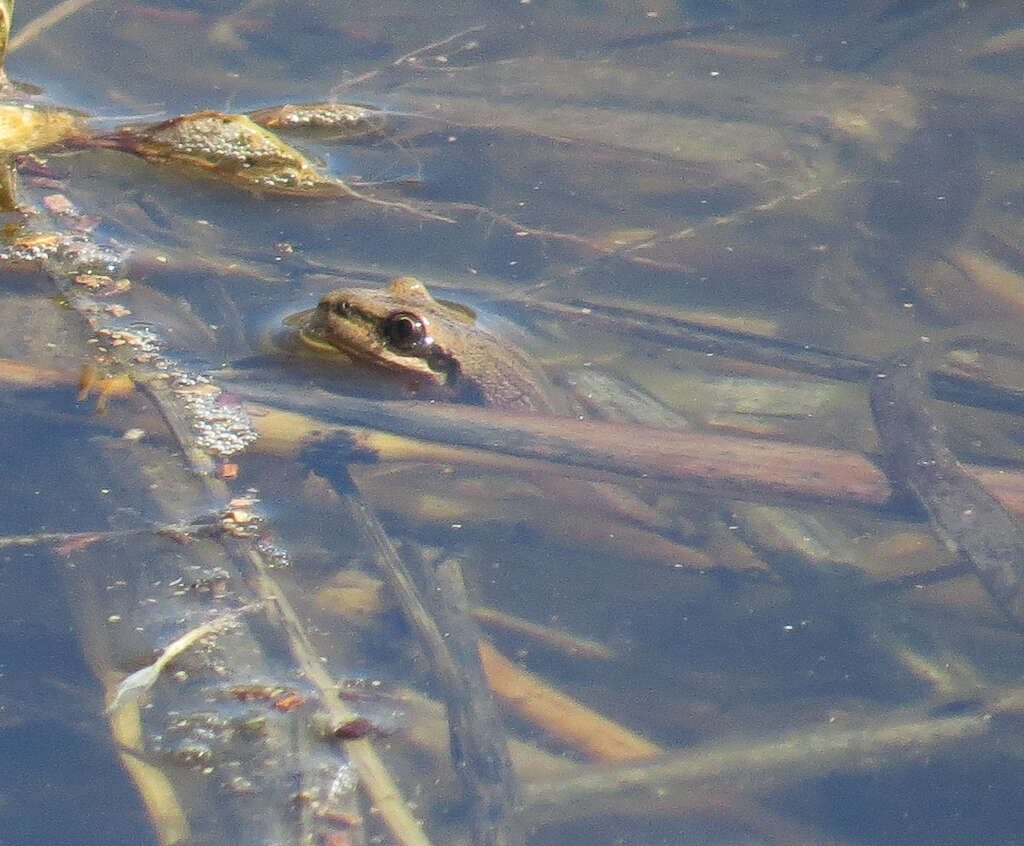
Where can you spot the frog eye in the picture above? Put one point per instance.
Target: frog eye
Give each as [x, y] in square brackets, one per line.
[405, 332]
[341, 308]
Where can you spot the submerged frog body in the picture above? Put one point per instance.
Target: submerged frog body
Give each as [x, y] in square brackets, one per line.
[430, 344]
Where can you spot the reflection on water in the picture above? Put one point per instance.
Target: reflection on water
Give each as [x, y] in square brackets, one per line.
[706, 223]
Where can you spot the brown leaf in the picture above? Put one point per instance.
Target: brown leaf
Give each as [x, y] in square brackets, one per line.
[231, 148]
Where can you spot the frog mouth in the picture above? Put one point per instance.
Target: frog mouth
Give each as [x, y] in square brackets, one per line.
[309, 334]
[313, 339]
[300, 318]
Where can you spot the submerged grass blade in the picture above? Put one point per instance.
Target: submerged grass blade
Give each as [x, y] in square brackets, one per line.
[135, 684]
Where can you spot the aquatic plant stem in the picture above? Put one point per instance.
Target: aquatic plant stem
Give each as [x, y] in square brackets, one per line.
[37, 26]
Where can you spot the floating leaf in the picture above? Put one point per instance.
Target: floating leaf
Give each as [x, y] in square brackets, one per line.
[235, 149]
[23, 128]
[340, 121]
[232, 148]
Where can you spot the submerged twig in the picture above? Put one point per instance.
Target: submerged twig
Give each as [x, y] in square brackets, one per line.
[574, 724]
[711, 463]
[397, 206]
[76, 540]
[37, 26]
[6, 13]
[713, 340]
[479, 747]
[968, 519]
[374, 776]
[757, 765]
[550, 236]
[570, 644]
[406, 57]
[404, 60]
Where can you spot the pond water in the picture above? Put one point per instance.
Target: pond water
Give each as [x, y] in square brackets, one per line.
[689, 216]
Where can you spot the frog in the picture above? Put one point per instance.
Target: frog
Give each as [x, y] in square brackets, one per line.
[429, 344]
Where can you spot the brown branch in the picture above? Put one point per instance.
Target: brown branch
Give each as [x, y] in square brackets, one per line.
[720, 465]
[479, 745]
[574, 724]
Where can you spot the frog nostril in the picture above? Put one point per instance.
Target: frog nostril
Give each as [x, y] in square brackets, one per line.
[405, 332]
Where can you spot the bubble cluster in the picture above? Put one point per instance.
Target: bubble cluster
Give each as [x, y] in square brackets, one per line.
[79, 254]
[86, 270]
[64, 255]
[221, 427]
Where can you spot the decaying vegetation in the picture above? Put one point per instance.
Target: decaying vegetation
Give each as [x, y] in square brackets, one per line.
[325, 618]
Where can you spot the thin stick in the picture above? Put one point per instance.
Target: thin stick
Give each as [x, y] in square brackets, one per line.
[756, 765]
[586, 245]
[475, 731]
[77, 540]
[968, 519]
[401, 61]
[37, 26]
[480, 750]
[6, 13]
[570, 644]
[395, 204]
[373, 775]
